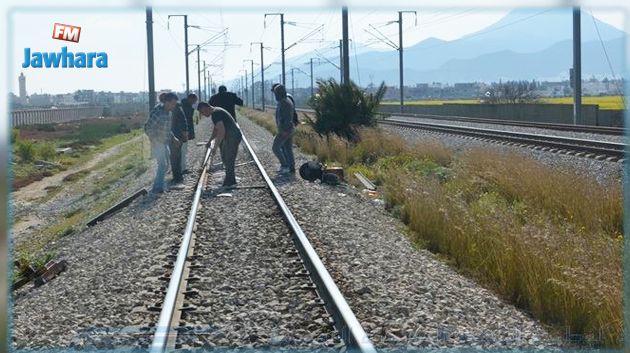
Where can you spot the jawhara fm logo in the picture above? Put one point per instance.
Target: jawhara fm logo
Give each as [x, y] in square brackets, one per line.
[64, 58]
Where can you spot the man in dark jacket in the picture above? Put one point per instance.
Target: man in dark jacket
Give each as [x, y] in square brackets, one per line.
[226, 136]
[179, 127]
[283, 142]
[226, 100]
[188, 105]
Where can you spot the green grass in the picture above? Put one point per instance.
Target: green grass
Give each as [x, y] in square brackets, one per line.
[108, 183]
[604, 102]
[547, 240]
[25, 171]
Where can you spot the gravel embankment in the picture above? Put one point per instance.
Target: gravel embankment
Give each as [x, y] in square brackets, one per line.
[95, 302]
[404, 297]
[529, 130]
[602, 171]
[249, 294]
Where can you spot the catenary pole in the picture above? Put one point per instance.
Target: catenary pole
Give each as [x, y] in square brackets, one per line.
[198, 73]
[577, 67]
[185, 48]
[149, 21]
[345, 48]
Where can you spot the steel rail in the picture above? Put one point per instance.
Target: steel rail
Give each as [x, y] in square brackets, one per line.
[165, 326]
[345, 321]
[613, 149]
[605, 130]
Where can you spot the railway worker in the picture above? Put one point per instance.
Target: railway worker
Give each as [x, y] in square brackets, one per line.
[295, 116]
[226, 100]
[179, 127]
[226, 135]
[158, 129]
[283, 141]
[188, 105]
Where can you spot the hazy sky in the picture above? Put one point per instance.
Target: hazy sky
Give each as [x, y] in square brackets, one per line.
[123, 36]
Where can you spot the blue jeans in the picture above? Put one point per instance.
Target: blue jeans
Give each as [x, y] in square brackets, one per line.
[283, 149]
[160, 153]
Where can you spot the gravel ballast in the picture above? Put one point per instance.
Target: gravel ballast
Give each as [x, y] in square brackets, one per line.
[523, 129]
[249, 292]
[403, 297]
[97, 297]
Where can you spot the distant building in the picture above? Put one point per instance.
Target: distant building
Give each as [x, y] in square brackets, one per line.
[14, 100]
[40, 100]
[86, 96]
[22, 80]
[64, 99]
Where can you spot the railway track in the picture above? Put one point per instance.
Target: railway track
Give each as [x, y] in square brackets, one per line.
[611, 151]
[208, 289]
[604, 130]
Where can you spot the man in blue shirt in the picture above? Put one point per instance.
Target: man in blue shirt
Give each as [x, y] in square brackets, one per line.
[158, 129]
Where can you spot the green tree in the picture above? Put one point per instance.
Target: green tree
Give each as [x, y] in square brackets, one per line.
[342, 108]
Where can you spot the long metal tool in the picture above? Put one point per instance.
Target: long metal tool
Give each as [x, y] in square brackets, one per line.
[344, 319]
[164, 329]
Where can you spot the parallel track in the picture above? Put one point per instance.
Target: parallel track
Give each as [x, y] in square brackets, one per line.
[558, 144]
[604, 130]
[590, 148]
[344, 319]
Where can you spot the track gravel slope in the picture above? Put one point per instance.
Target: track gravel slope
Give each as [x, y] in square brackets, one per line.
[98, 296]
[403, 297]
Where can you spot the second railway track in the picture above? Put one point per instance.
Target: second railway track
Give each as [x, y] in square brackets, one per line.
[245, 275]
[598, 149]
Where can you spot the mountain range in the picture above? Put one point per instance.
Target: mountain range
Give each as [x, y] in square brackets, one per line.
[525, 44]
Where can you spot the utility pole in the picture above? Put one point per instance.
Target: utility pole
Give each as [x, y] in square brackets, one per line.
[345, 52]
[242, 88]
[312, 89]
[252, 73]
[281, 43]
[149, 22]
[340, 60]
[185, 48]
[400, 56]
[205, 83]
[577, 67]
[198, 74]
[262, 73]
[246, 87]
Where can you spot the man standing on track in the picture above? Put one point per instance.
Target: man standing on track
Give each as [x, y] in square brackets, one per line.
[188, 105]
[226, 135]
[180, 131]
[283, 142]
[226, 100]
[158, 128]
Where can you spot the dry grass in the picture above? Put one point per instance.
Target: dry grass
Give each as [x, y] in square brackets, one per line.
[549, 241]
[560, 271]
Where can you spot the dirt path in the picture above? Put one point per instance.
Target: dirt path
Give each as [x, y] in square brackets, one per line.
[40, 188]
[32, 207]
